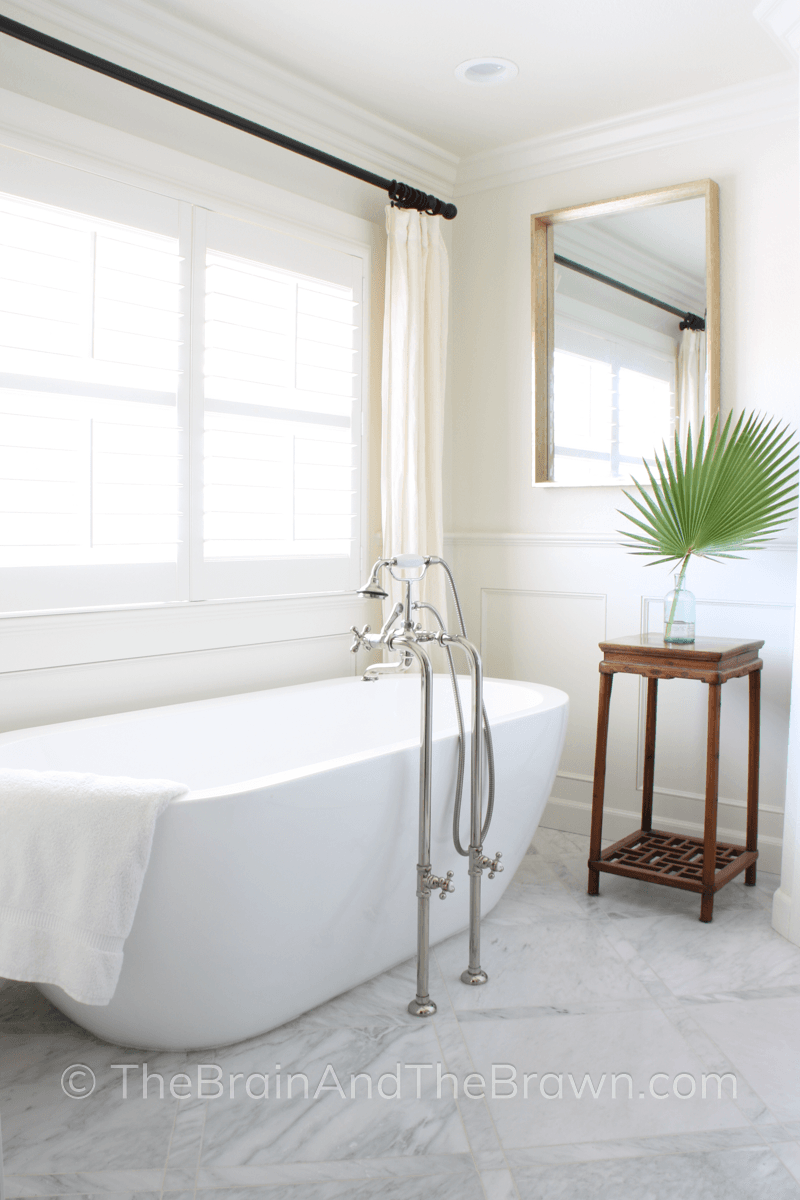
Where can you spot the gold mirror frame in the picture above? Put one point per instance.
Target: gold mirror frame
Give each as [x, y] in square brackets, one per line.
[543, 306]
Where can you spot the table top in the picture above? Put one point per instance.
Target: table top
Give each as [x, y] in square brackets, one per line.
[703, 649]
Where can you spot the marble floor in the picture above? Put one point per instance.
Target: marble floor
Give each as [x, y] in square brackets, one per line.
[627, 984]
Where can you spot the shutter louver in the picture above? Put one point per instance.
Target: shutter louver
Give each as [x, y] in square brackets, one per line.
[278, 462]
[89, 345]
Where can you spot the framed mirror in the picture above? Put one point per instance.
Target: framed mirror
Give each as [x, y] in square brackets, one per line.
[625, 331]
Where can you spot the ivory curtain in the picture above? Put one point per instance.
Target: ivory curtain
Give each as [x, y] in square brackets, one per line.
[412, 391]
[690, 389]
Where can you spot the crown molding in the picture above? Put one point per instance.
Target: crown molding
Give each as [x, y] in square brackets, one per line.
[144, 38]
[781, 19]
[727, 110]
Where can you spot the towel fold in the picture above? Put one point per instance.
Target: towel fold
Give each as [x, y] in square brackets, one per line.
[73, 852]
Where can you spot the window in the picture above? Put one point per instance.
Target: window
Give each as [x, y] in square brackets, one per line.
[179, 401]
[615, 400]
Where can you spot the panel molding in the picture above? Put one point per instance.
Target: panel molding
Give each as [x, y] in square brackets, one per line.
[489, 591]
[53, 640]
[30, 698]
[572, 539]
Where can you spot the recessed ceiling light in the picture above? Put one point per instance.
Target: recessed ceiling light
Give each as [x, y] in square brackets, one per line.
[486, 70]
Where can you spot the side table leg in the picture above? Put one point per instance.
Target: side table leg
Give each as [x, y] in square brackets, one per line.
[712, 789]
[752, 772]
[649, 755]
[598, 791]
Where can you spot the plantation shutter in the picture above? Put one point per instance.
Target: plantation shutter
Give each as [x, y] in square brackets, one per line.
[179, 399]
[281, 389]
[91, 330]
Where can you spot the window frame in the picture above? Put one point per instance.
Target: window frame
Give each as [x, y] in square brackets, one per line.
[131, 586]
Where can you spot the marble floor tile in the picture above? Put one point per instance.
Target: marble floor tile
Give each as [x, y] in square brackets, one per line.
[187, 1136]
[377, 1002]
[761, 1038]
[246, 1132]
[47, 1132]
[645, 1147]
[95, 1183]
[526, 902]
[555, 845]
[433, 1187]
[629, 981]
[23, 1009]
[332, 1171]
[538, 962]
[789, 1154]
[535, 868]
[642, 1044]
[737, 950]
[499, 1185]
[737, 1175]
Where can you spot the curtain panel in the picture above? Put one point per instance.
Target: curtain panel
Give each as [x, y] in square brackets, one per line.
[412, 391]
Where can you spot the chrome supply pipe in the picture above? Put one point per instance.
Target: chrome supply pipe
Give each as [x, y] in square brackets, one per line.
[427, 882]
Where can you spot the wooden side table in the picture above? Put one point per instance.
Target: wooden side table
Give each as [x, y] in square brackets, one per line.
[701, 865]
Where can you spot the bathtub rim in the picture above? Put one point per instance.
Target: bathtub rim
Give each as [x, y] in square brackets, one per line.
[548, 698]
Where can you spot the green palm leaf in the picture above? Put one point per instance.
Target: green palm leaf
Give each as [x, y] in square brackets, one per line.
[730, 494]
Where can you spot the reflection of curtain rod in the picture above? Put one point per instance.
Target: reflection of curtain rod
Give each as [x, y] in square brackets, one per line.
[689, 321]
[401, 195]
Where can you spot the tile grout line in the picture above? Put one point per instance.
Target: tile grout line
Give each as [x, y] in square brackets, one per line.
[472, 1063]
[200, 1149]
[169, 1151]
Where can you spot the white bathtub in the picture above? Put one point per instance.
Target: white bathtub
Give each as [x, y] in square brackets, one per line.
[287, 875]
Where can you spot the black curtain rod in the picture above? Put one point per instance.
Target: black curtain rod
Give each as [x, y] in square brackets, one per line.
[689, 320]
[401, 194]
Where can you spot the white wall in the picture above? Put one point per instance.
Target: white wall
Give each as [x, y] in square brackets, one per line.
[543, 578]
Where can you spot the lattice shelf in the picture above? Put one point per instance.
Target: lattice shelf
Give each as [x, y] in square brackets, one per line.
[660, 857]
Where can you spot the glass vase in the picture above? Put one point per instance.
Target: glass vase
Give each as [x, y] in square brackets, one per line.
[679, 607]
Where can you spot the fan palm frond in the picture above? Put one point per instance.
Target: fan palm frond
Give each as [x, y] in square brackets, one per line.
[730, 494]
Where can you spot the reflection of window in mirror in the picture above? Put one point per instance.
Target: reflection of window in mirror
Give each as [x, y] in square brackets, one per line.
[625, 335]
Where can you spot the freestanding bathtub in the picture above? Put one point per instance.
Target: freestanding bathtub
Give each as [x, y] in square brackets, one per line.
[287, 875]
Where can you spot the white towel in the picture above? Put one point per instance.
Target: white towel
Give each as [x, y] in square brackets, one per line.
[73, 852]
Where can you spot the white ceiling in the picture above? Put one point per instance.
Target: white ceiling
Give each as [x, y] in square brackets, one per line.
[580, 61]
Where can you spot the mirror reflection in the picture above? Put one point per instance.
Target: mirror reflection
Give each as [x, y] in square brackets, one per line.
[627, 337]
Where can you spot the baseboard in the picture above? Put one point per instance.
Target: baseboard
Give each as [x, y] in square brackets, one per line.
[782, 913]
[573, 816]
